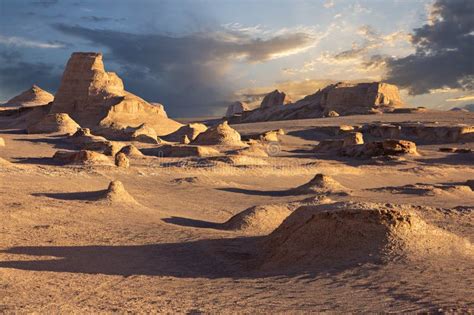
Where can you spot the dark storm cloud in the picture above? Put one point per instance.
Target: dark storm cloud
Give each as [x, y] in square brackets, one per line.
[444, 50]
[19, 76]
[188, 73]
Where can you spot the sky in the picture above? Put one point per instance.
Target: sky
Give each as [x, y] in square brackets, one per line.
[197, 56]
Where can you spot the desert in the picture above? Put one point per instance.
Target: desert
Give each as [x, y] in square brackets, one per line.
[346, 199]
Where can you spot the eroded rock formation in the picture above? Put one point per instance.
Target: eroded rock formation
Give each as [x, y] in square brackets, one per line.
[341, 98]
[97, 99]
[34, 96]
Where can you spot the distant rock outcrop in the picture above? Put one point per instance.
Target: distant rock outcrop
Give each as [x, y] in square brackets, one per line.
[34, 96]
[341, 98]
[96, 99]
[236, 108]
[275, 98]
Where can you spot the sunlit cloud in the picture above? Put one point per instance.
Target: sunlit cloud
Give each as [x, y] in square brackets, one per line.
[461, 98]
[23, 42]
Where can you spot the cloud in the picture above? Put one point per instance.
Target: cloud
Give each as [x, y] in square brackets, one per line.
[461, 98]
[328, 4]
[23, 42]
[444, 50]
[17, 75]
[189, 73]
[99, 19]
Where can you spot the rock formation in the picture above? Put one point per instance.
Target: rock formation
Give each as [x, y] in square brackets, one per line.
[82, 157]
[52, 123]
[221, 134]
[96, 99]
[258, 220]
[131, 151]
[144, 133]
[161, 109]
[320, 184]
[116, 194]
[189, 130]
[274, 99]
[342, 98]
[236, 108]
[83, 139]
[345, 234]
[2, 142]
[34, 96]
[121, 160]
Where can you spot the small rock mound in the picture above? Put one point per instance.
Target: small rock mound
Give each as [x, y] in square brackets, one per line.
[333, 113]
[34, 96]
[221, 134]
[258, 219]
[60, 123]
[83, 139]
[83, 157]
[131, 151]
[321, 184]
[121, 160]
[117, 194]
[2, 142]
[346, 234]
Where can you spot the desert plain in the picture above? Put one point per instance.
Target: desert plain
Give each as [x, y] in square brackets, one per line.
[108, 205]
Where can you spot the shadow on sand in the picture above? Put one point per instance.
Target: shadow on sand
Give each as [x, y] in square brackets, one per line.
[192, 223]
[214, 258]
[83, 195]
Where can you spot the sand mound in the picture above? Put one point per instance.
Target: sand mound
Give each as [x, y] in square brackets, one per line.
[117, 194]
[83, 157]
[60, 123]
[321, 184]
[131, 151]
[221, 134]
[263, 219]
[189, 130]
[351, 233]
[84, 140]
[258, 219]
[121, 160]
[34, 96]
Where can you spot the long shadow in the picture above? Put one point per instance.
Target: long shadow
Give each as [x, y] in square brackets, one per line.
[214, 258]
[36, 160]
[86, 195]
[192, 223]
[253, 192]
[57, 142]
[451, 159]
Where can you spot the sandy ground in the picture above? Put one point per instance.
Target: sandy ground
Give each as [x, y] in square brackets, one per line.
[62, 251]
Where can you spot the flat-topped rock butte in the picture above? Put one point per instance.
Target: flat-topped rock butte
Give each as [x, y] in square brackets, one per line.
[97, 99]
